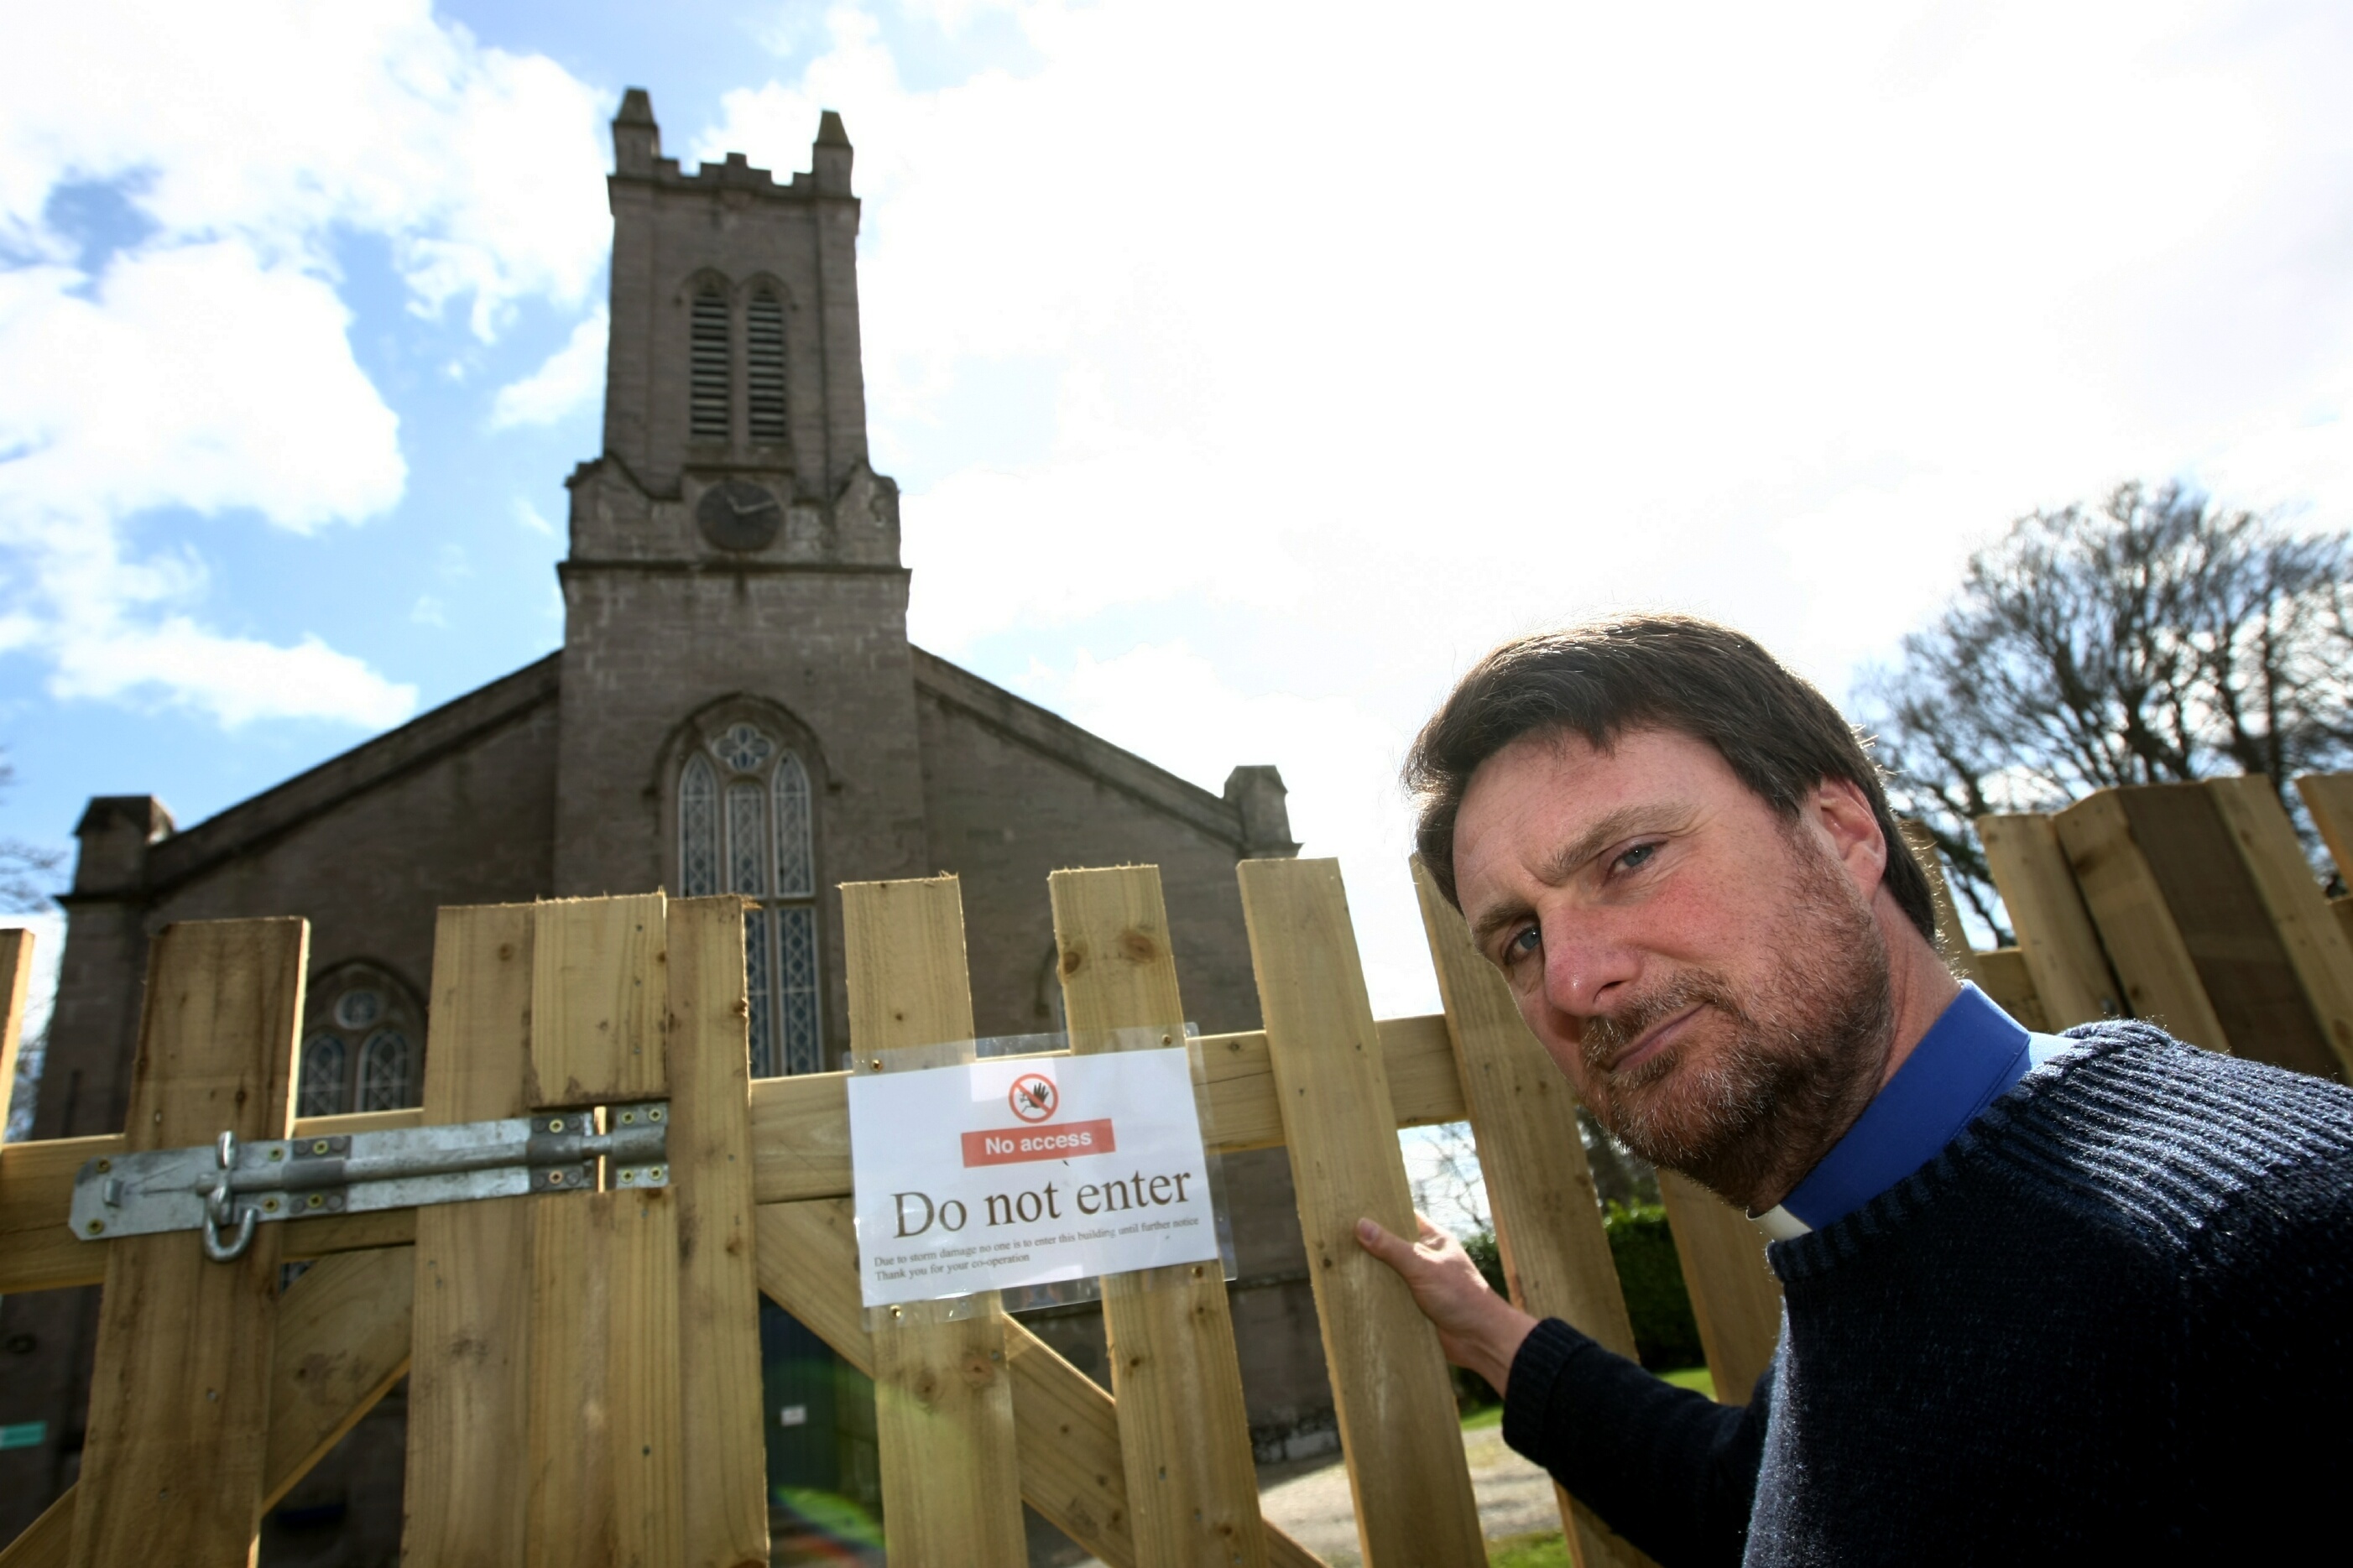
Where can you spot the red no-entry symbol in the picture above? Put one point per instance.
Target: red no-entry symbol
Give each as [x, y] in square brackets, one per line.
[1034, 1097]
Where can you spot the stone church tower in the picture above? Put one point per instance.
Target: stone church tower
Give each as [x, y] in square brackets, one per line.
[735, 708]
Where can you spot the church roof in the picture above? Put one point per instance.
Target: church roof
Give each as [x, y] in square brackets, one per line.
[1088, 753]
[455, 725]
[419, 743]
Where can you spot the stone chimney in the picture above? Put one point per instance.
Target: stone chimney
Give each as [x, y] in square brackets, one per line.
[1258, 795]
[115, 832]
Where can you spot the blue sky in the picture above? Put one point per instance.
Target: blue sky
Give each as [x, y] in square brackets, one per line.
[1248, 368]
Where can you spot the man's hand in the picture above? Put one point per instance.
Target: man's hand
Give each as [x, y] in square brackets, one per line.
[1476, 1328]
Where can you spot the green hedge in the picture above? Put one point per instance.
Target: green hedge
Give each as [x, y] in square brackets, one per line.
[1666, 1335]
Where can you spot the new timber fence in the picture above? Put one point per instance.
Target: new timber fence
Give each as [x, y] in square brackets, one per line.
[583, 1350]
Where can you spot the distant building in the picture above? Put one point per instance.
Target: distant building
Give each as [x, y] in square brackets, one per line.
[735, 708]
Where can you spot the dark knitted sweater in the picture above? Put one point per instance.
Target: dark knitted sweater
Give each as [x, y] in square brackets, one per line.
[2115, 1315]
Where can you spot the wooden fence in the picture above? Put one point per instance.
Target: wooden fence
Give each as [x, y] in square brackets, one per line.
[584, 1369]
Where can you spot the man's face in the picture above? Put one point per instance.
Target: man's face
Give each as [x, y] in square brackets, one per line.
[1707, 972]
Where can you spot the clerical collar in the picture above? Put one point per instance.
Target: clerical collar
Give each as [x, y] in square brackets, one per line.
[1970, 1054]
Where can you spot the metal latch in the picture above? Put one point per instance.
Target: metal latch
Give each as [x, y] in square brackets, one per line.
[225, 1190]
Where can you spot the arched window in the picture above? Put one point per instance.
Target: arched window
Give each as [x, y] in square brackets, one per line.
[359, 1051]
[707, 367]
[744, 826]
[325, 1068]
[383, 1071]
[763, 367]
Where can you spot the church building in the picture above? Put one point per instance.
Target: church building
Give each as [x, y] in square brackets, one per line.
[735, 708]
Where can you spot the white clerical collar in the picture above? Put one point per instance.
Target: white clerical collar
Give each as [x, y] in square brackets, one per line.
[1781, 1224]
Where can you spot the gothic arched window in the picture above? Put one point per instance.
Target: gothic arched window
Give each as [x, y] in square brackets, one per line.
[764, 366]
[744, 826]
[363, 1050]
[707, 366]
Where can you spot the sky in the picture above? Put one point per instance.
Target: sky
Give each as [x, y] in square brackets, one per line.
[1249, 369]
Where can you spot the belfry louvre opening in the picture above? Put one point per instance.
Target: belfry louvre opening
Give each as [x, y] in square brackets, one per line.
[709, 366]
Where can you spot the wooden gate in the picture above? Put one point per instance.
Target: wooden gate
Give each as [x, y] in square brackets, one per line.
[584, 1366]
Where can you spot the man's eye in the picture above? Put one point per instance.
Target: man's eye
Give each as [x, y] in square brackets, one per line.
[1524, 942]
[1636, 858]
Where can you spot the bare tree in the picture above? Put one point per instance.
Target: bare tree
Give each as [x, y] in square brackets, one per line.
[28, 872]
[2158, 637]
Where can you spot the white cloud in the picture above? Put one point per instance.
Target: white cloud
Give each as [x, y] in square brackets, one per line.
[529, 517]
[1378, 344]
[571, 379]
[234, 679]
[205, 363]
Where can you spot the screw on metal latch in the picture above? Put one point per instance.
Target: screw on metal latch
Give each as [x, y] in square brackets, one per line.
[269, 1205]
[317, 1201]
[555, 1178]
[105, 1165]
[655, 1114]
[318, 1146]
[655, 1174]
[556, 1124]
[627, 1117]
[277, 1153]
[97, 1227]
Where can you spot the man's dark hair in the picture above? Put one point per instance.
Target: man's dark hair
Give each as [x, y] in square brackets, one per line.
[1779, 736]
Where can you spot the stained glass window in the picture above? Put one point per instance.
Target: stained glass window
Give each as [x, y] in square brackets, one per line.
[383, 1071]
[363, 1049]
[744, 819]
[795, 859]
[323, 1077]
[697, 829]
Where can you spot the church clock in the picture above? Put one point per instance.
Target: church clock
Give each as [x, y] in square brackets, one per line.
[736, 514]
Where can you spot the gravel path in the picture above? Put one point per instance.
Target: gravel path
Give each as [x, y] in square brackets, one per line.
[1516, 1497]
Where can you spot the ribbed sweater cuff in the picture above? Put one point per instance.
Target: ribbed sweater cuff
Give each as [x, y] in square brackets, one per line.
[1529, 1389]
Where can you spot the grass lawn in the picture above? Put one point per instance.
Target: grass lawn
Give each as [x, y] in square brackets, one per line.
[1544, 1549]
[1694, 1378]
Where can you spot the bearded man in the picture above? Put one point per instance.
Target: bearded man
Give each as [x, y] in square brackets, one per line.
[2044, 1296]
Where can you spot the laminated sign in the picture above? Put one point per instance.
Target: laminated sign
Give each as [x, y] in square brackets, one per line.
[1023, 1171]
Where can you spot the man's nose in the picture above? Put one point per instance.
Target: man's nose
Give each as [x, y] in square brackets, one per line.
[1584, 969]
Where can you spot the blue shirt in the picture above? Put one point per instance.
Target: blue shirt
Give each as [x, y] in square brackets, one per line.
[1969, 1057]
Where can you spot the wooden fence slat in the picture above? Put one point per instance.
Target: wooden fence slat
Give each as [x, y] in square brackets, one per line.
[15, 980]
[344, 1340]
[567, 1410]
[1066, 1426]
[1389, 1383]
[2003, 975]
[179, 1405]
[2208, 894]
[1735, 1296]
[469, 1476]
[343, 1343]
[724, 1454]
[604, 1395]
[2055, 936]
[1540, 1193]
[2300, 917]
[800, 1139]
[2160, 979]
[1183, 1430]
[2329, 798]
[596, 1000]
[943, 1404]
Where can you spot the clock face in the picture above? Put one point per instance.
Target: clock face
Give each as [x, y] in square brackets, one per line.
[736, 514]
